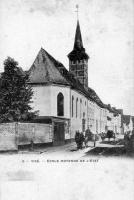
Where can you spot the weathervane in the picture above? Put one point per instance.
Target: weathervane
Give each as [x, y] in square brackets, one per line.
[77, 11]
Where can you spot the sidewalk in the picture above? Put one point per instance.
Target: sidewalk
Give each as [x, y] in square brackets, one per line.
[50, 149]
[66, 151]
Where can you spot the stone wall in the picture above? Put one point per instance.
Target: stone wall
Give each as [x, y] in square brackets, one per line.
[14, 134]
[34, 132]
[8, 137]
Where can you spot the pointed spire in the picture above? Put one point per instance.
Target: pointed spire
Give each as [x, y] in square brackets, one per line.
[78, 52]
[78, 44]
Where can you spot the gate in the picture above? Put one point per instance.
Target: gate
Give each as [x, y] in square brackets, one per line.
[59, 133]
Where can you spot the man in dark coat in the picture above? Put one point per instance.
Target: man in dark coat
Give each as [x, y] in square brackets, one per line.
[88, 136]
[88, 133]
[77, 138]
[82, 138]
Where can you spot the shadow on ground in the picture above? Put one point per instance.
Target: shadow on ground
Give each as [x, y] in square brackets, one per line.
[107, 151]
[119, 142]
[75, 149]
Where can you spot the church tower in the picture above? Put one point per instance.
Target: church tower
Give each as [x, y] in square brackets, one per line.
[78, 59]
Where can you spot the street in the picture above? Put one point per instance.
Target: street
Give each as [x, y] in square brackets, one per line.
[102, 149]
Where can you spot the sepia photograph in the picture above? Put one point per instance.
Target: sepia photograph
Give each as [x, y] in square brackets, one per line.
[66, 99]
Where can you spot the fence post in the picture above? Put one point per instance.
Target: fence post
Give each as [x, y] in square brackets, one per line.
[94, 140]
[33, 137]
[16, 134]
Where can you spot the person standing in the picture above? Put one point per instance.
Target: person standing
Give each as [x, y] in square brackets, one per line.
[82, 138]
[77, 138]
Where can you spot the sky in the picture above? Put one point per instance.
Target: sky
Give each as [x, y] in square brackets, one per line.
[107, 28]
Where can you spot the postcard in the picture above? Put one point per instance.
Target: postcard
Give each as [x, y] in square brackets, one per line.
[66, 100]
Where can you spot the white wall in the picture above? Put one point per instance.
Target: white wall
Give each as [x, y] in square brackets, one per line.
[91, 116]
[103, 120]
[76, 122]
[45, 100]
[97, 119]
[117, 124]
[42, 99]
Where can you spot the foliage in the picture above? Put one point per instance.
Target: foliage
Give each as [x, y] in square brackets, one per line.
[15, 93]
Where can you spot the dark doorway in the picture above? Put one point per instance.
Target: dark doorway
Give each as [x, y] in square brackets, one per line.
[59, 133]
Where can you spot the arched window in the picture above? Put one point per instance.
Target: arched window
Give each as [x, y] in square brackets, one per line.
[83, 114]
[60, 104]
[80, 107]
[72, 106]
[76, 107]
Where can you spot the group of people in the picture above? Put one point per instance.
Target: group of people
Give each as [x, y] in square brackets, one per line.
[81, 138]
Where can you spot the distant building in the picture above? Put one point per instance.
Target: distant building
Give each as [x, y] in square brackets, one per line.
[128, 123]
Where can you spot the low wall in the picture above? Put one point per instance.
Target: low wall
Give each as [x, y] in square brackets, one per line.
[14, 134]
[34, 132]
[8, 137]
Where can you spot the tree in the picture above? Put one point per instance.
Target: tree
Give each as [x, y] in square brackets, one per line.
[15, 93]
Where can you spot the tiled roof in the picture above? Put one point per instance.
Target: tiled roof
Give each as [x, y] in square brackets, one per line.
[75, 84]
[44, 70]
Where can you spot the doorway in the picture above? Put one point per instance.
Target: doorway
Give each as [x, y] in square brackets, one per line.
[59, 133]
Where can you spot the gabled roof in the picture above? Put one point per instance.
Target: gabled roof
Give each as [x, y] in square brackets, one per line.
[44, 70]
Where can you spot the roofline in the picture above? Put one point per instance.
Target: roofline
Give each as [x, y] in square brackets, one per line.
[49, 84]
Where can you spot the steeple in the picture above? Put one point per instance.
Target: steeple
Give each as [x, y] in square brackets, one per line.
[78, 52]
[78, 44]
[78, 58]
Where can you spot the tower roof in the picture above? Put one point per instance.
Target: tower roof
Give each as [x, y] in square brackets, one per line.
[78, 52]
[78, 44]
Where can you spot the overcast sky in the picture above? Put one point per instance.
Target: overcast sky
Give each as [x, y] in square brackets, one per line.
[107, 28]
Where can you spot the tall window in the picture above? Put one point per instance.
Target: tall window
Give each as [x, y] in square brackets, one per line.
[80, 107]
[76, 107]
[83, 114]
[60, 104]
[72, 106]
